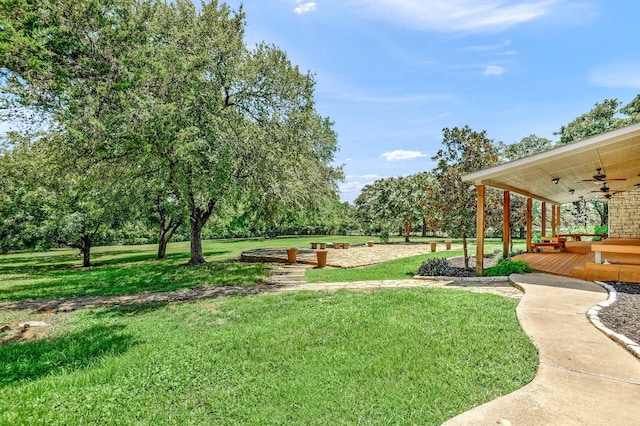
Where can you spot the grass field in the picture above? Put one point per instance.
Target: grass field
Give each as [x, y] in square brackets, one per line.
[412, 356]
[389, 357]
[399, 269]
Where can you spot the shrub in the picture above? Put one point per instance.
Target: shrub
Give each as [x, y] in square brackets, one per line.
[436, 267]
[508, 267]
[384, 236]
[600, 229]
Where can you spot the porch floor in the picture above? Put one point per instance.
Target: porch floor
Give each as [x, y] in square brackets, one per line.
[570, 263]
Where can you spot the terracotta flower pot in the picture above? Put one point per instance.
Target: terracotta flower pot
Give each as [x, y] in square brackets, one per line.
[314, 246]
[345, 245]
[337, 245]
[448, 244]
[291, 255]
[433, 246]
[321, 256]
[322, 246]
[369, 243]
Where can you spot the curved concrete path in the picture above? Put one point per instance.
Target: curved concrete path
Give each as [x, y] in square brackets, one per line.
[584, 378]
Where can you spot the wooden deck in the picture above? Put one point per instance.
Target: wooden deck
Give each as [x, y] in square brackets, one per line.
[571, 263]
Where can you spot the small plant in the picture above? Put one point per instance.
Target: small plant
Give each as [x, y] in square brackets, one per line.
[600, 229]
[384, 236]
[537, 237]
[507, 267]
[436, 267]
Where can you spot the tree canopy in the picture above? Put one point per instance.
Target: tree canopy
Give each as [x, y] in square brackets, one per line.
[170, 96]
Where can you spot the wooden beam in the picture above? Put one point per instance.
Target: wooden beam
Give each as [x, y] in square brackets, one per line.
[529, 220]
[544, 219]
[480, 232]
[506, 229]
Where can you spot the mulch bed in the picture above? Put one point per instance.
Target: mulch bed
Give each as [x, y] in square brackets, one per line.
[624, 315]
[457, 265]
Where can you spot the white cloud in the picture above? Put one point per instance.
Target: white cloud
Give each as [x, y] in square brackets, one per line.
[460, 15]
[350, 189]
[402, 155]
[622, 75]
[370, 177]
[408, 99]
[493, 70]
[305, 7]
[487, 47]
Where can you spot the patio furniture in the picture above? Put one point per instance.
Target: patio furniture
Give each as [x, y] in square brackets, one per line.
[555, 243]
[578, 237]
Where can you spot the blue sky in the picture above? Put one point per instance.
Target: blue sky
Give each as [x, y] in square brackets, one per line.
[392, 74]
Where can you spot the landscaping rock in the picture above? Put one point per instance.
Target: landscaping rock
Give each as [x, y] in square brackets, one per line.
[29, 324]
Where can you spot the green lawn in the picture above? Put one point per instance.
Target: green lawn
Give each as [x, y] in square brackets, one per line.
[406, 356]
[399, 269]
[122, 270]
[413, 356]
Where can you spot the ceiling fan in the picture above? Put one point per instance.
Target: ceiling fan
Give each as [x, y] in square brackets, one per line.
[606, 191]
[600, 177]
[607, 196]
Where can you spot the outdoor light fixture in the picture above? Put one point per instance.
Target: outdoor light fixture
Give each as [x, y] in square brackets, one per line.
[555, 180]
[571, 191]
[637, 185]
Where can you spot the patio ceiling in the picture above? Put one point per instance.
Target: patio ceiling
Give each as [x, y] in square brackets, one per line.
[616, 152]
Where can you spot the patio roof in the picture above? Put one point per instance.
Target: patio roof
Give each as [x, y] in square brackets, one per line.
[616, 152]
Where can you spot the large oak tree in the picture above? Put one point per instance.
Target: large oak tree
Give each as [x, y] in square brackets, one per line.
[172, 94]
[464, 151]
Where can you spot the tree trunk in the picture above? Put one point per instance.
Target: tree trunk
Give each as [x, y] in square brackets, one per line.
[407, 231]
[197, 257]
[166, 231]
[162, 246]
[198, 219]
[604, 219]
[424, 226]
[86, 250]
[465, 250]
[165, 237]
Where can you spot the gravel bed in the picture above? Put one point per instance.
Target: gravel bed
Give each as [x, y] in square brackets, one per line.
[623, 316]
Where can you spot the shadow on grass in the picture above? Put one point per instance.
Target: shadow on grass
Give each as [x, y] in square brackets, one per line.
[131, 278]
[44, 266]
[105, 314]
[34, 359]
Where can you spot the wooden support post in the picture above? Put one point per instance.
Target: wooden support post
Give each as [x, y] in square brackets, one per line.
[544, 219]
[529, 220]
[506, 228]
[558, 219]
[553, 220]
[480, 233]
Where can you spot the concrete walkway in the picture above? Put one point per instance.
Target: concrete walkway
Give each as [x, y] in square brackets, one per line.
[584, 378]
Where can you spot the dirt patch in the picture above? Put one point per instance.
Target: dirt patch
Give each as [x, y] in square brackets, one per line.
[52, 306]
[30, 330]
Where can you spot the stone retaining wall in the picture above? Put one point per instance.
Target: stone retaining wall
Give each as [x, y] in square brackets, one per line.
[624, 216]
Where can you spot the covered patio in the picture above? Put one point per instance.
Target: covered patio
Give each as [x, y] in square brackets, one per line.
[606, 165]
